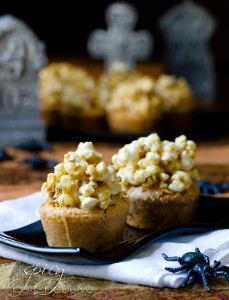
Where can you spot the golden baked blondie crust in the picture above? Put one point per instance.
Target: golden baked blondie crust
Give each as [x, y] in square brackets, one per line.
[95, 231]
[151, 208]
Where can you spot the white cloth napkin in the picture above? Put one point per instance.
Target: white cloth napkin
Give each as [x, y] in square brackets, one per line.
[146, 267]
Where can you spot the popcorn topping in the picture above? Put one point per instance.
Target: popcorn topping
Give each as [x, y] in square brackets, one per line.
[136, 95]
[68, 85]
[107, 83]
[149, 161]
[176, 93]
[83, 180]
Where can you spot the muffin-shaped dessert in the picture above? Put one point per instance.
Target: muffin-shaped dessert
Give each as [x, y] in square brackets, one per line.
[159, 178]
[108, 82]
[134, 105]
[84, 205]
[70, 92]
[176, 94]
[178, 102]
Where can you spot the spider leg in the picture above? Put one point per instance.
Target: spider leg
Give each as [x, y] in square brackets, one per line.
[187, 277]
[222, 268]
[222, 271]
[174, 270]
[216, 264]
[206, 258]
[172, 258]
[205, 282]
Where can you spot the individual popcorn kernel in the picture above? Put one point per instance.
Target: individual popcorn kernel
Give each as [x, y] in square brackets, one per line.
[177, 186]
[104, 197]
[66, 200]
[88, 202]
[91, 171]
[59, 170]
[70, 157]
[181, 141]
[102, 171]
[116, 188]
[181, 181]
[88, 152]
[87, 190]
[69, 167]
[51, 179]
[163, 176]
[186, 161]
[191, 145]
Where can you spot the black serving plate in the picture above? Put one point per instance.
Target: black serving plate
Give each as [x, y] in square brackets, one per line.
[211, 214]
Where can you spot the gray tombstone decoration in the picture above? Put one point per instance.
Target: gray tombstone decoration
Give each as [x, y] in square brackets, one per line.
[120, 41]
[21, 57]
[187, 28]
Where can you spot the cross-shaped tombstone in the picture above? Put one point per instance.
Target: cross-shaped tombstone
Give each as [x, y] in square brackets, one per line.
[120, 42]
[187, 29]
[21, 57]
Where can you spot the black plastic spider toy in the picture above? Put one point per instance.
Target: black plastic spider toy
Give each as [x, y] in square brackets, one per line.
[33, 145]
[4, 155]
[198, 267]
[36, 162]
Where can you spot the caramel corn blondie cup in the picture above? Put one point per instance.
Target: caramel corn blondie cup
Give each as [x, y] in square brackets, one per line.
[159, 178]
[84, 204]
[178, 102]
[69, 98]
[134, 105]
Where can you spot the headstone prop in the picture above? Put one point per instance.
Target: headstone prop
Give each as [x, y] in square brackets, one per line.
[187, 29]
[120, 41]
[21, 57]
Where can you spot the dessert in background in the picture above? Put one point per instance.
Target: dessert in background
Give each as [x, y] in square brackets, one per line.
[84, 205]
[123, 100]
[134, 106]
[159, 178]
[68, 97]
[108, 82]
[176, 94]
[178, 101]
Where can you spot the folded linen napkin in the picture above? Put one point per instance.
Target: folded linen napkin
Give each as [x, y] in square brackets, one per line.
[147, 267]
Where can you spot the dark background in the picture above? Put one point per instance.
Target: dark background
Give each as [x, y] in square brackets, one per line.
[64, 26]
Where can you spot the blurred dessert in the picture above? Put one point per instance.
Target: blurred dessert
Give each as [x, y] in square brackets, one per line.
[160, 180]
[134, 106]
[108, 82]
[84, 205]
[68, 97]
[178, 101]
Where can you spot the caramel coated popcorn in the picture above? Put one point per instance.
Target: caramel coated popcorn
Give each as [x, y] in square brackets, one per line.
[64, 84]
[83, 180]
[136, 95]
[176, 93]
[151, 162]
[107, 83]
